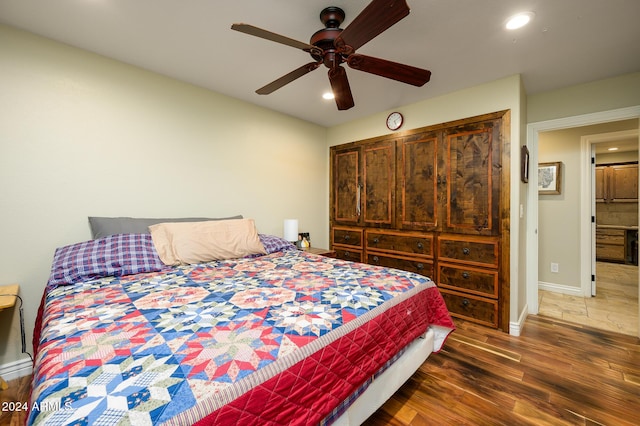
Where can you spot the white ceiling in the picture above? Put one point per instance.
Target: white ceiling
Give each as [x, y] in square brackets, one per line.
[462, 42]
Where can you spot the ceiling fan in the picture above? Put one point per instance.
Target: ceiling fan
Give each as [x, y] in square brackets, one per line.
[333, 45]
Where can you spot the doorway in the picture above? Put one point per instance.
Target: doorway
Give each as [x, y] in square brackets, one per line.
[612, 157]
[611, 302]
[584, 261]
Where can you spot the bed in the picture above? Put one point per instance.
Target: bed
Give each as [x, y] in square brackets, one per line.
[277, 336]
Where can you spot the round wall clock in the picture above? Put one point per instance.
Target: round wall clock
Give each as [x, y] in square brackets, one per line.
[394, 121]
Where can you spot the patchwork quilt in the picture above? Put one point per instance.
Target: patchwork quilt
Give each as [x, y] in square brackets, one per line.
[279, 339]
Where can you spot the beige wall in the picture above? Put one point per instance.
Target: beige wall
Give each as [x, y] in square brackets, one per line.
[597, 96]
[84, 135]
[617, 157]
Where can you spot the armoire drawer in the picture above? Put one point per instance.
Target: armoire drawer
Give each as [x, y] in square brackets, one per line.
[472, 251]
[348, 254]
[472, 308]
[482, 282]
[347, 236]
[420, 266]
[400, 243]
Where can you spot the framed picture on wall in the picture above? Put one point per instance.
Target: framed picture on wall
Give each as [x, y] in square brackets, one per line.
[549, 178]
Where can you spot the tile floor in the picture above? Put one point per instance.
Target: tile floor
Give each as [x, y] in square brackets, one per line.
[615, 307]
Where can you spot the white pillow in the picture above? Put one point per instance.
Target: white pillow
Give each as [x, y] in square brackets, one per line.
[181, 243]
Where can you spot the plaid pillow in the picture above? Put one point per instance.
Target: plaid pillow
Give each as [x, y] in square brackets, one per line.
[115, 255]
[273, 244]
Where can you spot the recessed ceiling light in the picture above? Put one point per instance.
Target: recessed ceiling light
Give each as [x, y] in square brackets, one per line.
[327, 95]
[613, 148]
[519, 20]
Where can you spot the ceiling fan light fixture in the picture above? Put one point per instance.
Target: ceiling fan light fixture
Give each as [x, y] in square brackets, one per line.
[519, 20]
[328, 96]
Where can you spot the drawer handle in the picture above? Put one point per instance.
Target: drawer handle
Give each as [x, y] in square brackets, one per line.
[420, 266]
[465, 302]
[347, 237]
[465, 275]
[376, 240]
[420, 246]
[347, 254]
[375, 259]
[466, 251]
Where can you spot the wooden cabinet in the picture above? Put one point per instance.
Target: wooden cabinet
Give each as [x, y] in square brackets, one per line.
[419, 160]
[616, 183]
[409, 251]
[611, 244]
[472, 179]
[449, 180]
[345, 177]
[347, 243]
[468, 276]
[363, 178]
[395, 196]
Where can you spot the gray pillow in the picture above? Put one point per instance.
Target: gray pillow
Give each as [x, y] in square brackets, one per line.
[105, 226]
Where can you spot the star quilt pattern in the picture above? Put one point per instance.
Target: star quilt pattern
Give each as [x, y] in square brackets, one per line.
[279, 339]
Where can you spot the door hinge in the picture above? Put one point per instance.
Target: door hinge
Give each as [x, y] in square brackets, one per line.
[593, 277]
[593, 219]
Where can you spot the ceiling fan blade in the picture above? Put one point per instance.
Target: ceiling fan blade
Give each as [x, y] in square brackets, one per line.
[288, 78]
[393, 70]
[340, 88]
[268, 35]
[378, 16]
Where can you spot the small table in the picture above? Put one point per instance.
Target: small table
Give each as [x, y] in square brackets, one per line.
[8, 296]
[320, 251]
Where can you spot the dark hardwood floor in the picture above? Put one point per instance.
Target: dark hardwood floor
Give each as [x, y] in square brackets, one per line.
[555, 373]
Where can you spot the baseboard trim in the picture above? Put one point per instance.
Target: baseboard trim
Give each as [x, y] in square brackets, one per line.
[515, 327]
[16, 369]
[560, 288]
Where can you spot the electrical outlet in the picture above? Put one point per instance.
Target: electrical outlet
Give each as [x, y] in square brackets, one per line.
[554, 267]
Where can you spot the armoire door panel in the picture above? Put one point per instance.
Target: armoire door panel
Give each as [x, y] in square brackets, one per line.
[471, 180]
[346, 192]
[417, 186]
[379, 182]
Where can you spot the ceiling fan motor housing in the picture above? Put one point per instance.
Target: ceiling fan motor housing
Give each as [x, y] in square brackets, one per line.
[331, 17]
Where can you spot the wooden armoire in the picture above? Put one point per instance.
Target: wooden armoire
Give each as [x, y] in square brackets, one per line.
[433, 200]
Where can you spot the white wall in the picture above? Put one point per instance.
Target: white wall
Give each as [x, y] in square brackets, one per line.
[83, 135]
